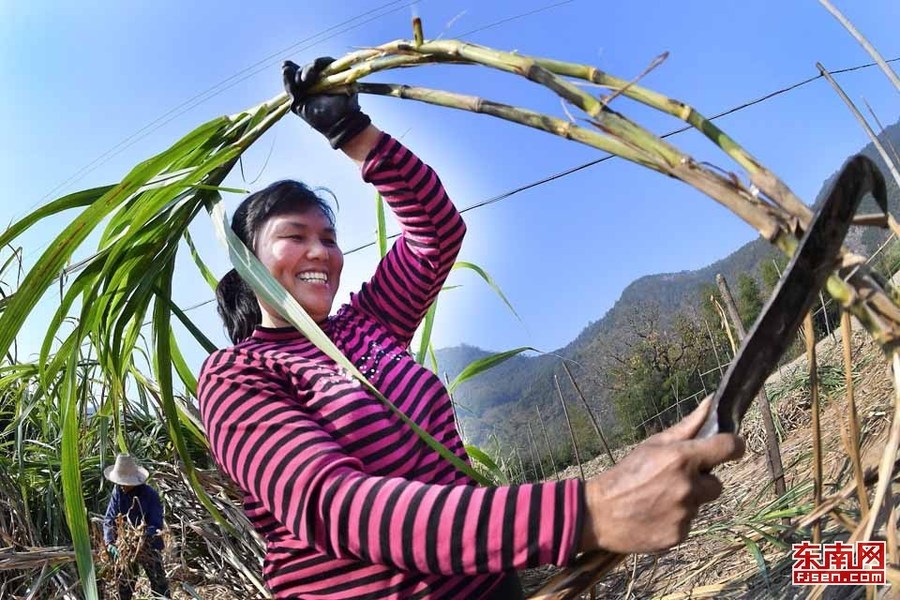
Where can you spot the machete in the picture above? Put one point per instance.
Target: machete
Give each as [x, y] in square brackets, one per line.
[813, 261]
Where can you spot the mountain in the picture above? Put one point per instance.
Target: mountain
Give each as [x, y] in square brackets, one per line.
[506, 399]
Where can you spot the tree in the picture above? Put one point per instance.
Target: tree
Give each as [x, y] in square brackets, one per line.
[749, 299]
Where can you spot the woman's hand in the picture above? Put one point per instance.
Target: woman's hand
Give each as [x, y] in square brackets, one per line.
[336, 116]
[647, 501]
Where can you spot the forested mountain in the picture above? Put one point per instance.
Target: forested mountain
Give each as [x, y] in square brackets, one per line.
[506, 399]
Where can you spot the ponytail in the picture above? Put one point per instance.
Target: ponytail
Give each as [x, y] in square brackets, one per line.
[238, 307]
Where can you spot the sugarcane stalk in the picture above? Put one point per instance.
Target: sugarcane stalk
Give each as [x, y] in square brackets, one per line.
[853, 417]
[780, 222]
[816, 430]
[590, 413]
[878, 312]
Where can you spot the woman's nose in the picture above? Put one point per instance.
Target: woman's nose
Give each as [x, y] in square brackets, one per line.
[317, 249]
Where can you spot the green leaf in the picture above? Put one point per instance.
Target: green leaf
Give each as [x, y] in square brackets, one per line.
[756, 553]
[162, 336]
[73, 495]
[480, 456]
[60, 250]
[489, 280]
[483, 364]
[68, 202]
[381, 227]
[427, 327]
[211, 280]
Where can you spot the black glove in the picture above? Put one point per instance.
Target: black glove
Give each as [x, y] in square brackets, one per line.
[336, 116]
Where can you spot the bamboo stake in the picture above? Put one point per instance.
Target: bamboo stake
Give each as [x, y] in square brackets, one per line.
[590, 414]
[862, 121]
[853, 417]
[816, 431]
[521, 466]
[712, 342]
[863, 42]
[889, 455]
[547, 439]
[569, 424]
[773, 452]
[534, 452]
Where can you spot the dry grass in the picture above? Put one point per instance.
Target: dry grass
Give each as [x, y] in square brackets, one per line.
[719, 560]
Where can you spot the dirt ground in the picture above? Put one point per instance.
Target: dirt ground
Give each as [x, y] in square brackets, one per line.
[717, 561]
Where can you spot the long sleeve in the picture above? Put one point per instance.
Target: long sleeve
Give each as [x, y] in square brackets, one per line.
[109, 520]
[153, 512]
[411, 274]
[266, 440]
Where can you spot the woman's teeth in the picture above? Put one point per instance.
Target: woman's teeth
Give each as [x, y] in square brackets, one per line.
[320, 277]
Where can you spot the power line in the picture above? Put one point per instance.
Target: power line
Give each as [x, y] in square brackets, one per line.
[223, 85]
[514, 18]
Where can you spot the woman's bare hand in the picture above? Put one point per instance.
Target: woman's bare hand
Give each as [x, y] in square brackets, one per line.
[646, 502]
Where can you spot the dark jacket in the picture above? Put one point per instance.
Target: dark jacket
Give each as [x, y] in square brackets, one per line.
[140, 505]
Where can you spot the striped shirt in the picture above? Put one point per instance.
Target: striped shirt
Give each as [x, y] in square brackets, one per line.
[351, 503]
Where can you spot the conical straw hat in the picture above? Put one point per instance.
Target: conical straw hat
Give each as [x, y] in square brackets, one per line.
[126, 471]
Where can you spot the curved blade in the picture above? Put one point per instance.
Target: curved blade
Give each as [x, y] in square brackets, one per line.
[805, 275]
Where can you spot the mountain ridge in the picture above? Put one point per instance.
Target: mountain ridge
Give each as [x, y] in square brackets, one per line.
[509, 392]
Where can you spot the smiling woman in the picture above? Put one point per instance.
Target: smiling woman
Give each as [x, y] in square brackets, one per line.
[350, 499]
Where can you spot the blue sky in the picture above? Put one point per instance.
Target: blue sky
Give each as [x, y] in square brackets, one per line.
[78, 80]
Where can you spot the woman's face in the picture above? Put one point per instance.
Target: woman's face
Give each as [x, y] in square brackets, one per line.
[301, 252]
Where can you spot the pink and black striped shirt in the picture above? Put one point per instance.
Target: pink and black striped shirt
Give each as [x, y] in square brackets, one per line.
[350, 502]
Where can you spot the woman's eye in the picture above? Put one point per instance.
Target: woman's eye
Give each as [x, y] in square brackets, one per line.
[329, 242]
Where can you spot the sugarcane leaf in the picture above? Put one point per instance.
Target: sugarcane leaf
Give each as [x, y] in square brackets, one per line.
[60, 250]
[68, 202]
[380, 226]
[427, 327]
[480, 456]
[73, 496]
[207, 274]
[489, 280]
[190, 326]
[756, 553]
[483, 364]
[163, 365]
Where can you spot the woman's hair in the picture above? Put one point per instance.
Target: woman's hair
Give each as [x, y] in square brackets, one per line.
[237, 304]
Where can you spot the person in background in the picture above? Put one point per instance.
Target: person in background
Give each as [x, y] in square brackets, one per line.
[350, 502]
[138, 504]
